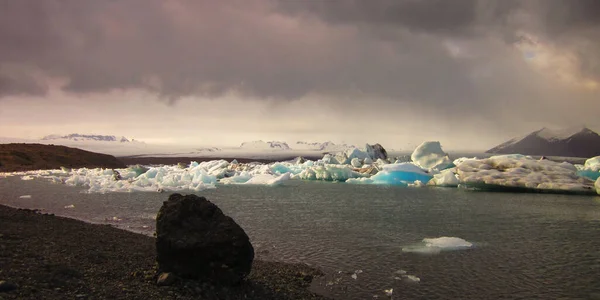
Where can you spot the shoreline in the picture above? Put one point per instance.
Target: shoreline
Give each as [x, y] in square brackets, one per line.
[51, 257]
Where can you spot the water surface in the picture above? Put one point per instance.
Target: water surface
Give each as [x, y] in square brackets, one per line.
[526, 246]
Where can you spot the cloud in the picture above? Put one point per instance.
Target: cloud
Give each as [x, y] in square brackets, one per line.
[445, 60]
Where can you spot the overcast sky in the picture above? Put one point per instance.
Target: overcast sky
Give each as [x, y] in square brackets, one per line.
[469, 73]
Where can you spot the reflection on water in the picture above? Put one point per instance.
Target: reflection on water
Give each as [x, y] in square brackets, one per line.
[525, 246]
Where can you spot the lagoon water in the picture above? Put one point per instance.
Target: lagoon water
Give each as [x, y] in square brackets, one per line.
[525, 246]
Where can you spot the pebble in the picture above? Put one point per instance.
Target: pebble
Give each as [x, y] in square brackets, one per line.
[165, 279]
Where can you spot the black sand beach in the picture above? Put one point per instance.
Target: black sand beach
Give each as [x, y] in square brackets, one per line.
[50, 257]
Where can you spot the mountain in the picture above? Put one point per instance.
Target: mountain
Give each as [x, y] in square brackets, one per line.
[86, 137]
[260, 145]
[325, 146]
[572, 142]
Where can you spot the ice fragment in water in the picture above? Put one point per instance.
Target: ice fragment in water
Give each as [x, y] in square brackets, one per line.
[70, 206]
[25, 197]
[413, 278]
[436, 245]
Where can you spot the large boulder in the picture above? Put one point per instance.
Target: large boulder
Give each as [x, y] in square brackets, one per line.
[194, 239]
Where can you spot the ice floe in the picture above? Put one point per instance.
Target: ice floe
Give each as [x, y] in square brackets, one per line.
[25, 197]
[437, 245]
[428, 166]
[522, 173]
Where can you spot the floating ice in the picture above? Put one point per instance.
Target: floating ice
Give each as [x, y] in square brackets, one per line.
[329, 173]
[27, 177]
[429, 155]
[593, 164]
[517, 172]
[591, 168]
[413, 278]
[354, 276]
[446, 178]
[356, 163]
[436, 245]
[70, 206]
[25, 197]
[266, 179]
[598, 186]
[400, 174]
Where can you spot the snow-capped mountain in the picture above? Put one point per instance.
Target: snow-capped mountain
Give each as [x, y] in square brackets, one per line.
[325, 146]
[572, 142]
[260, 145]
[76, 137]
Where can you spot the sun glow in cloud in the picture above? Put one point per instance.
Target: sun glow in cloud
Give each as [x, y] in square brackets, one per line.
[559, 63]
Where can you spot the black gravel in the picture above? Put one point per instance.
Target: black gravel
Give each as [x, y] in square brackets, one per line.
[48, 257]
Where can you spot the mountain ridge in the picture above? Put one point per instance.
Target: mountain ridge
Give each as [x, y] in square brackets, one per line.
[572, 142]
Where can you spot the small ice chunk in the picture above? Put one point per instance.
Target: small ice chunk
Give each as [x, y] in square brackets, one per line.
[597, 184]
[413, 278]
[401, 272]
[354, 276]
[446, 178]
[27, 177]
[436, 245]
[25, 197]
[356, 162]
[447, 243]
[389, 292]
[70, 206]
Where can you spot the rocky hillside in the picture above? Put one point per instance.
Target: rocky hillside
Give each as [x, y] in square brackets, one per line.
[23, 157]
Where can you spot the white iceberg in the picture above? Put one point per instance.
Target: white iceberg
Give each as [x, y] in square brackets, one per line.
[591, 168]
[429, 155]
[446, 178]
[597, 186]
[267, 179]
[522, 173]
[400, 174]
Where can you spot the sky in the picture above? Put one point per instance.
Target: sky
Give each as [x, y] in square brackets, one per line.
[467, 73]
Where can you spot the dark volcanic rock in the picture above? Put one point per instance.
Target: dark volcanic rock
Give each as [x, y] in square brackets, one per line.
[194, 239]
[24, 157]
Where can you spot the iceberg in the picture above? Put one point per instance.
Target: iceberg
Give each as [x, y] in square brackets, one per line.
[590, 169]
[356, 163]
[267, 179]
[597, 185]
[429, 155]
[593, 164]
[329, 172]
[400, 174]
[446, 178]
[522, 173]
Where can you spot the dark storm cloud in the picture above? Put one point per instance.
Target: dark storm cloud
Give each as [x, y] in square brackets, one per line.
[433, 16]
[361, 50]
